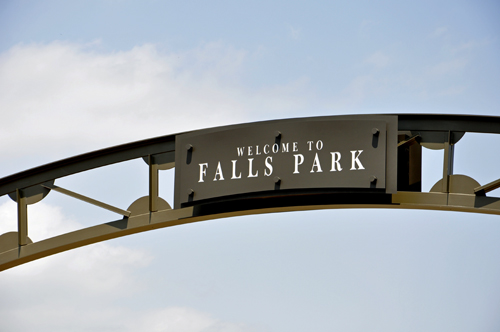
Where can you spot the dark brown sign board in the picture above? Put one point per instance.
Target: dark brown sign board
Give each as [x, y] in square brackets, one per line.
[278, 157]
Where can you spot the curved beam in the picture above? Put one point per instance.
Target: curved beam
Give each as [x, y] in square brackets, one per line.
[169, 218]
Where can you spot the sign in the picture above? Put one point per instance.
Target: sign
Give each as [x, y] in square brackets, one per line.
[277, 157]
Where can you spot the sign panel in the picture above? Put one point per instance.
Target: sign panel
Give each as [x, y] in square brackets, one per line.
[277, 156]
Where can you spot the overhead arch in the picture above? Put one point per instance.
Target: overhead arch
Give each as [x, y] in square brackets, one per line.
[355, 161]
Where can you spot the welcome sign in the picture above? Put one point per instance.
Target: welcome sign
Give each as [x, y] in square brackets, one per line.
[279, 156]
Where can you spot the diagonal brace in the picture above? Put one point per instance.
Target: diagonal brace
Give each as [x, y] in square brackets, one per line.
[482, 190]
[87, 199]
[410, 140]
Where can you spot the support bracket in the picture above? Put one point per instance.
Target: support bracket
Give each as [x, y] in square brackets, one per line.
[153, 183]
[22, 218]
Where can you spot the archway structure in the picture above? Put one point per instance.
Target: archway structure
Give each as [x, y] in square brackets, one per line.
[353, 161]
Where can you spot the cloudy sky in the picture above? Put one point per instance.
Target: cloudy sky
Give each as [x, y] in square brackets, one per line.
[77, 76]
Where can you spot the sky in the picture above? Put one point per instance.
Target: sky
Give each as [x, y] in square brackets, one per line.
[77, 76]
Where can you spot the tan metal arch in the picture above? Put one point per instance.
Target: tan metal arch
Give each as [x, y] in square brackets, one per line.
[452, 193]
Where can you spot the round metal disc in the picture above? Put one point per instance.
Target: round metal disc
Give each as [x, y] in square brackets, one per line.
[459, 184]
[33, 194]
[10, 241]
[141, 206]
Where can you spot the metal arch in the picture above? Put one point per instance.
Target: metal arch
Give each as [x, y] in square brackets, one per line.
[159, 153]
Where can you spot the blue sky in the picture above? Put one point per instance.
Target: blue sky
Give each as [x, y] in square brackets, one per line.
[387, 53]
[83, 75]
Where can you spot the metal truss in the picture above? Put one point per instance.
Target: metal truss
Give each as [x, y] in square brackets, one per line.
[452, 193]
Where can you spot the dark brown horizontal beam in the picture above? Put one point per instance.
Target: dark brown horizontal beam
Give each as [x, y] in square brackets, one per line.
[443, 122]
[86, 162]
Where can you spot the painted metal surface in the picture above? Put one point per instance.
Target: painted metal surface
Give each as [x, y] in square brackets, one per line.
[393, 166]
[280, 156]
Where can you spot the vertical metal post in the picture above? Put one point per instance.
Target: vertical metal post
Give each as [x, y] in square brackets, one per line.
[22, 218]
[448, 163]
[153, 184]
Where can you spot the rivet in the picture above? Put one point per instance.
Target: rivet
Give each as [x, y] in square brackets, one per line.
[375, 131]
[190, 192]
[277, 134]
[373, 179]
[189, 147]
[277, 179]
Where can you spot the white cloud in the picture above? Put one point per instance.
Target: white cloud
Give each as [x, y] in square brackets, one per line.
[64, 95]
[378, 59]
[61, 98]
[453, 91]
[445, 68]
[439, 32]
[366, 27]
[82, 289]
[104, 261]
[64, 288]
[355, 93]
[178, 319]
[294, 33]
[46, 220]
[465, 48]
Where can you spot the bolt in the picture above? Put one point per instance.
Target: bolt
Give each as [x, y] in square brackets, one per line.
[375, 131]
[277, 179]
[373, 179]
[189, 147]
[190, 192]
[277, 134]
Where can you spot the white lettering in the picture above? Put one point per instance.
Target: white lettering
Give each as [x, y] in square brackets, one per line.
[299, 159]
[203, 171]
[295, 147]
[284, 147]
[257, 153]
[266, 146]
[316, 164]
[276, 148]
[234, 171]
[310, 144]
[218, 172]
[250, 151]
[250, 166]
[269, 167]
[355, 160]
[319, 145]
[241, 151]
[335, 161]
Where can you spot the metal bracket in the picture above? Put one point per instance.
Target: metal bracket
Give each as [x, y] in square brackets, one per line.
[448, 163]
[410, 140]
[22, 218]
[153, 183]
